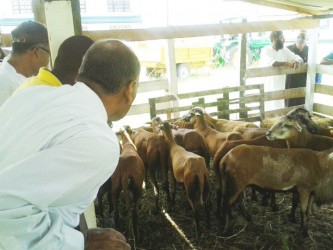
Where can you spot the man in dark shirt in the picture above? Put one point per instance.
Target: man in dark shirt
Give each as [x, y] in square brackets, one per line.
[297, 80]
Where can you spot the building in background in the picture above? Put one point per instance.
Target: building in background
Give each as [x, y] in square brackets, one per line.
[96, 15]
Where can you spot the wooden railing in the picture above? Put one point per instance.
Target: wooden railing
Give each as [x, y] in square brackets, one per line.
[325, 90]
[223, 103]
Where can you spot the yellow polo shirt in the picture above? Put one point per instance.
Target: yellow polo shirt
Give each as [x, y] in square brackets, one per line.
[44, 77]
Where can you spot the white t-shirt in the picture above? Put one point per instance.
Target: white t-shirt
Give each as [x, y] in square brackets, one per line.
[9, 81]
[56, 151]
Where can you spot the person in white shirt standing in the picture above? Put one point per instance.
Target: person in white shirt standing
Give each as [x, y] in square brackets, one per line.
[30, 51]
[57, 149]
[276, 55]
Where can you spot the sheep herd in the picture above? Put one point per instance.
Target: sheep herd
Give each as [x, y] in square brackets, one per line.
[294, 155]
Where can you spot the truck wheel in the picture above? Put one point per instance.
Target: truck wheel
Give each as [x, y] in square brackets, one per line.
[183, 71]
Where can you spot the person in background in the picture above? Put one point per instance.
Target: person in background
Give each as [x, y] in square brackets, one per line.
[276, 55]
[298, 80]
[58, 149]
[30, 51]
[328, 59]
[66, 64]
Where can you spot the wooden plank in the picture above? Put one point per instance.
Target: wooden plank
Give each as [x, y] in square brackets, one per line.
[324, 89]
[139, 109]
[325, 69]
[311, 73]
[285, 94]
[172, 32]
[270, 71]
[323, 109]
[146, 86]
[280, 112]
[233, 111]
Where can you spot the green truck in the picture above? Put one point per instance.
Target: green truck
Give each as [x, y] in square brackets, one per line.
[226, 52]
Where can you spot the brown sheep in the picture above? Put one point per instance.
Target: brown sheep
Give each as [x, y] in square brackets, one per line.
[304, 116]
[291, 129]
[128, 177]
[190, 169]
[213, 137]
[189, 139]
[225, 148]
[303, 170]
[224, 125]
[153, 150]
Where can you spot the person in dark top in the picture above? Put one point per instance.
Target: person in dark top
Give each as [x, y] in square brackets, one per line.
[297, 80]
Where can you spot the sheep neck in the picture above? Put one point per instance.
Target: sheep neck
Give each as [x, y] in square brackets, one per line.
[298, 140]
[169, 137]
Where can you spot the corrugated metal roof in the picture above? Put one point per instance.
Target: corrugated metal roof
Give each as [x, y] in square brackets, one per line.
[306, 7]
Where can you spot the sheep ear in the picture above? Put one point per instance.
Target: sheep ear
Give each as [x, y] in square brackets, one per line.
[298, 127]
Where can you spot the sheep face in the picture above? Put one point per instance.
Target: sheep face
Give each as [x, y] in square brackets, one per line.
[286, 127]
[199, 109]
[305, 118]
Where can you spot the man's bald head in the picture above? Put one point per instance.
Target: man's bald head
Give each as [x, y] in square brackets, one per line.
[109, 64]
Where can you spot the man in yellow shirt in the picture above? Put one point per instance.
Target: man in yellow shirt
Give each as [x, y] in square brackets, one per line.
[66, 65]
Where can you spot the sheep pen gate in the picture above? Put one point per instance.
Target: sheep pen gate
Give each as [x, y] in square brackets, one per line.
[235, 103]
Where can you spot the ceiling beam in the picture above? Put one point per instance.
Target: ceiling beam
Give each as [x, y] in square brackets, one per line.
[292, 6]
[172, 32]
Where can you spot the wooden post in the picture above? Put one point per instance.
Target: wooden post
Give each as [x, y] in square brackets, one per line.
[76, 10]
[242, 70]
[39, 11]
[311, 75]
[262, 102]
[172, 72]
[58, 28]
[223, 106]
[200, 103]
[152, 106]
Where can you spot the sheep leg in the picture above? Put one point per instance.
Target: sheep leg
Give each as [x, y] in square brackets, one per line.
[115, 197]
[152, 174]
[243, 210]
[135, 218]
[109, 197]
[264, 199]
[226, 216]
[166, 181]
[274, 206]
[310, 209]
[208, 207]
[100, 205]
[253, 194]
[295, 201]
[304, 201]
[196, 223]
[173, 195]
[218, 194]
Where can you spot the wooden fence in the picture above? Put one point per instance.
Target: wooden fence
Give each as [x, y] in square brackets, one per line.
[241, 103]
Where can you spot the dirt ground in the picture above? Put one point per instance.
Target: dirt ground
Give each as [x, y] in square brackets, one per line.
[268, 230]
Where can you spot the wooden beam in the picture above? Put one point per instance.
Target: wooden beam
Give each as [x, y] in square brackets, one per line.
[325, 69]
[76, 12]
[202, 30]
[39, 11]
[270, 71]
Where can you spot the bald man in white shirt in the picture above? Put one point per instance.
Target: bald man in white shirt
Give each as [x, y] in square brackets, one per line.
[276, 55]
[57, 149]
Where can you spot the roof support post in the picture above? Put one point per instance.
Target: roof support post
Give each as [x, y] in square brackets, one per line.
[58, 28]
[311, 74]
